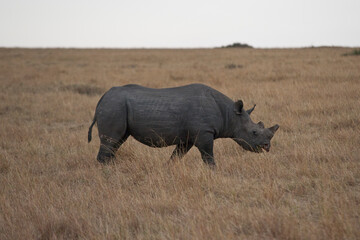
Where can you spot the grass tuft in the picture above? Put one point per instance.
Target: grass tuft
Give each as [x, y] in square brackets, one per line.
[83, 89]
[355, 52]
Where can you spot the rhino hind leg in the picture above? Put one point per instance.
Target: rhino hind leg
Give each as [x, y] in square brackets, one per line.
[111, 117]
[108, 148]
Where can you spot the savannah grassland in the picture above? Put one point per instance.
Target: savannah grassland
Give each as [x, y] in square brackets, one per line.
[306, 187]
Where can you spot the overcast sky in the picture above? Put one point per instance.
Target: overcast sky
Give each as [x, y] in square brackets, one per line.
[185, 23]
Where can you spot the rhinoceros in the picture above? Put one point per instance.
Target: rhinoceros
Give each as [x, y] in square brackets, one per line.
[191, 115]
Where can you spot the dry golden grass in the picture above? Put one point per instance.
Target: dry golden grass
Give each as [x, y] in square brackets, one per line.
[307, 187]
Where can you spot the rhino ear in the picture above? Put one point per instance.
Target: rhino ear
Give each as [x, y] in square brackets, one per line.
[238, 106]
[251, 109]
[274, 128]
[261, 124]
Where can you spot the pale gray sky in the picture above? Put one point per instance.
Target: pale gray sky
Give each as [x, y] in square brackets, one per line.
[185, 23]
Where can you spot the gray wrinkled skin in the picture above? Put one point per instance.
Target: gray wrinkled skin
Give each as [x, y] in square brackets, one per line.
[192, 115]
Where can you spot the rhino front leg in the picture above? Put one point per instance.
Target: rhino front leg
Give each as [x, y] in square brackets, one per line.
[180, 150]
[205, 145]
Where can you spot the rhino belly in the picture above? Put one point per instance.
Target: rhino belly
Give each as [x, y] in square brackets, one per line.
[154, 139]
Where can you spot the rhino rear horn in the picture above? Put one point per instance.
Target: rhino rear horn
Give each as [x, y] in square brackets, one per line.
[238, 106]
[274, 128]
[251, 109]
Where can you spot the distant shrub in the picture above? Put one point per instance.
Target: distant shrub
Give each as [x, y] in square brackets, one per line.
[233, 66]
[355, 52]
[83, 89]
[237, 45]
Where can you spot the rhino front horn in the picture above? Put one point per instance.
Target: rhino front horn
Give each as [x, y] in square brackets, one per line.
[274, 128]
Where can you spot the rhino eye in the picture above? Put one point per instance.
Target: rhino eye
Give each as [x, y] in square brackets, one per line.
[255, 133]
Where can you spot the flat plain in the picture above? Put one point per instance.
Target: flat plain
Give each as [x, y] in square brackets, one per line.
[306, 187]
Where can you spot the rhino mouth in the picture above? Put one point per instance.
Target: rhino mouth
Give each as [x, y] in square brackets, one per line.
[254, 148]
[260, 148]
[266, 147]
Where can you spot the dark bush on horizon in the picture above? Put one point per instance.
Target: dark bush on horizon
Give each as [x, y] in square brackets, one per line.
[237, 45]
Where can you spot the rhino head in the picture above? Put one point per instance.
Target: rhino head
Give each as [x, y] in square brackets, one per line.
[251, 136]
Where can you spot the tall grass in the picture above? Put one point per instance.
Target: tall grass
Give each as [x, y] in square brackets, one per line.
[306, 187]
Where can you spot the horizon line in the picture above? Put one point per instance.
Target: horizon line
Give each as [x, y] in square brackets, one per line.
[180, 48]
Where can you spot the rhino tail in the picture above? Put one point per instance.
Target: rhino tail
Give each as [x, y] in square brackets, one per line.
[90, 129]
[94, 120]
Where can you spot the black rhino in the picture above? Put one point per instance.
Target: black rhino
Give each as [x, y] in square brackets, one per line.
[191, 115]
